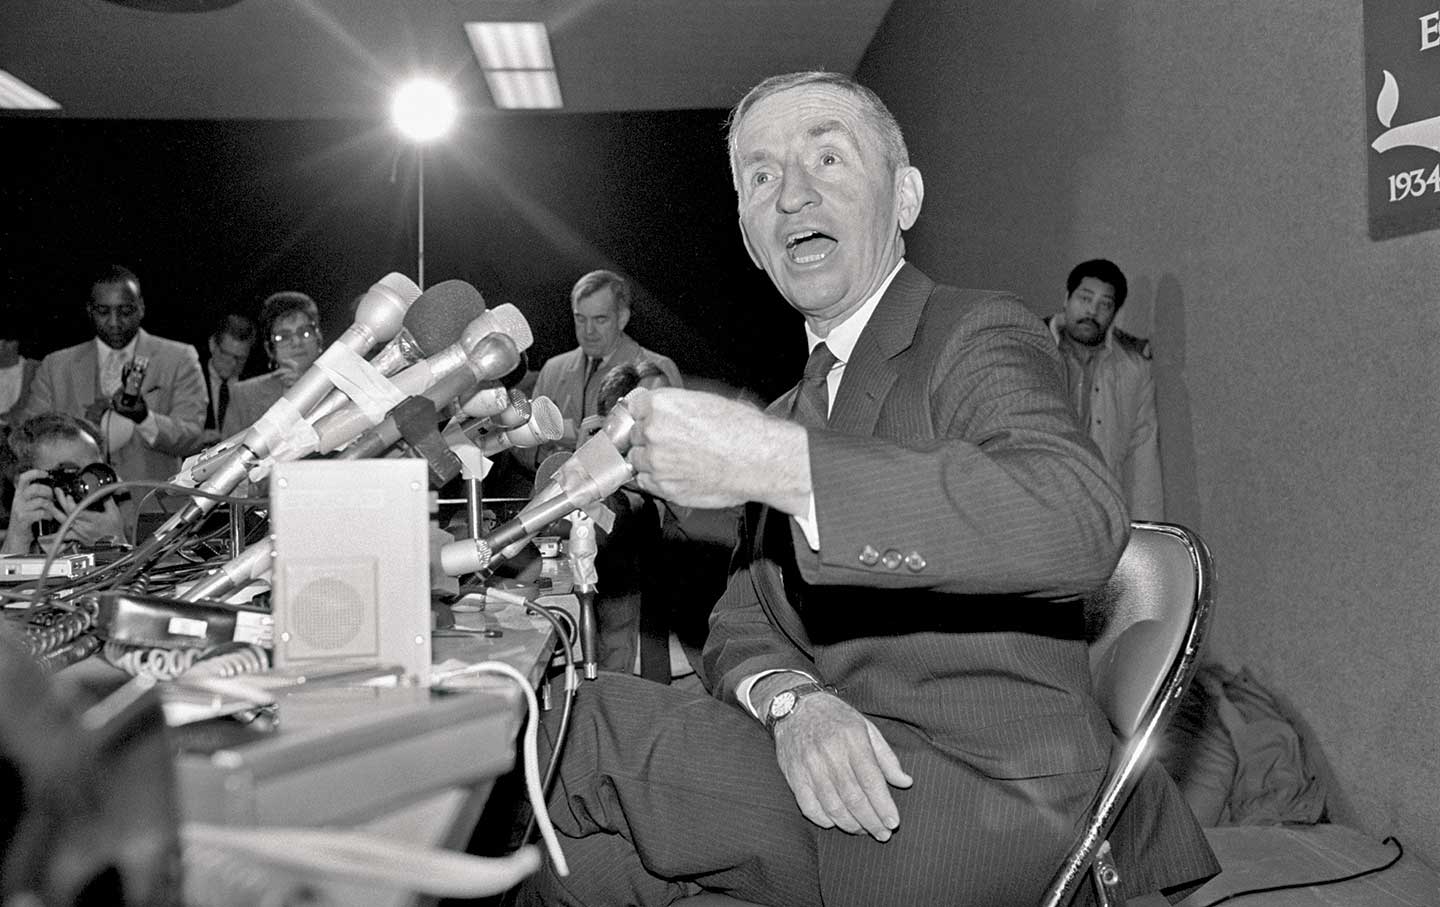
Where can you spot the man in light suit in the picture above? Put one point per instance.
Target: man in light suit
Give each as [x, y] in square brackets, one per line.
[902, 708]
[143, 438]
[600, 304]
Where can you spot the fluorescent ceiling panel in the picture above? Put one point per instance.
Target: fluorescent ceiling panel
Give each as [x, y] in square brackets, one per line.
[524, 88]
[16, 95]
[510, 45]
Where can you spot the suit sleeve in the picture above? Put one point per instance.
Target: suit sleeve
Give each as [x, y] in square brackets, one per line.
[39, 397]
[1142, 476]
[182, 423]
[743, 641]
[1007, 497]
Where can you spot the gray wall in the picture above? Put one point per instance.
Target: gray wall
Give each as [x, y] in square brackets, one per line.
[1216, 151]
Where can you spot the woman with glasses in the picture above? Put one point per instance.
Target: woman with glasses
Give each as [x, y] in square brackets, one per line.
[290, 329]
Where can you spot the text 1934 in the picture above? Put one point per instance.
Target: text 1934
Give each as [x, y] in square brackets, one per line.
[1414, 183]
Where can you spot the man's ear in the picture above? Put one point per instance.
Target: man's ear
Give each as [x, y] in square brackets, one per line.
[749, 248]
[909, 194]
[623, 316]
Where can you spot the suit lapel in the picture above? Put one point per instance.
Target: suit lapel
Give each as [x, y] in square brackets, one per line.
[870, 372]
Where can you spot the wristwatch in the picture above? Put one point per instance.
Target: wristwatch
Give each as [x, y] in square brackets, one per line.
[784, 702]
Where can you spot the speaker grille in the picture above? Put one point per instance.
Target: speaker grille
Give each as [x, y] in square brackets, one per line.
[328, 613]
[328, 607]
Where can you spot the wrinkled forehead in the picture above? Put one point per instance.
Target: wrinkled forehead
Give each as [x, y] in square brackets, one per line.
[804, 113]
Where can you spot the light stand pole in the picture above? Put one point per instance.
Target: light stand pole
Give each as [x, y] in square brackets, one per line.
[420, 217]
[423, 110]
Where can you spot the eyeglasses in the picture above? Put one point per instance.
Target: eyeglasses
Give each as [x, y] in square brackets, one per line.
[306, 333]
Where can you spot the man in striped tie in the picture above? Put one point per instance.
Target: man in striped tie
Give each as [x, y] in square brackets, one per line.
[902, 710]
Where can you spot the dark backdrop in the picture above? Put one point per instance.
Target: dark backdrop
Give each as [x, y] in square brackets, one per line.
[213, 216]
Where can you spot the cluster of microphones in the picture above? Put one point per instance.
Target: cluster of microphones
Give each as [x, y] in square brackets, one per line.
[430, 375]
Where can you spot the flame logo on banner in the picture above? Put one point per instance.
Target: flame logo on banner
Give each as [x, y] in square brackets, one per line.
[1419, 134]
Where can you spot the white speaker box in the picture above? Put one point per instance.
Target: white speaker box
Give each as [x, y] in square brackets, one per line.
[351, 580]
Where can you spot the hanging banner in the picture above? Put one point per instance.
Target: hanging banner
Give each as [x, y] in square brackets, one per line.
[1402, 115]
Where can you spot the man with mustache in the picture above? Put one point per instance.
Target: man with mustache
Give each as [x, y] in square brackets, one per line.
[1108, 374]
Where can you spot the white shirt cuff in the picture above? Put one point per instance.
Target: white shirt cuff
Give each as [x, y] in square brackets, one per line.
[149, 429]
[742, 689]
[809, 525]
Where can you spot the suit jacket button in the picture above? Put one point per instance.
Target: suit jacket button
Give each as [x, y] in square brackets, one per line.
[915, 562]
[869, 556]
[891, 559]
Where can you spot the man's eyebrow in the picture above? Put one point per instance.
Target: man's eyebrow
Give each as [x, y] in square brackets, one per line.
[826, 127]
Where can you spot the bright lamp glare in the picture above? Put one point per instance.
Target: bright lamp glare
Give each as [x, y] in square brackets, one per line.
[423, 110]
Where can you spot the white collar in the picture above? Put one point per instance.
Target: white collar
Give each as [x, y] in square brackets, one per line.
[846, 334]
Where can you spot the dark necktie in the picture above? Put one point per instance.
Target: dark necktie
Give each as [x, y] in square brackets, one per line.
[812, 395]
[592, 364]
[223, 405]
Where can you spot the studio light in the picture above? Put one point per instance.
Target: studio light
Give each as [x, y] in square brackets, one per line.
[423, 110]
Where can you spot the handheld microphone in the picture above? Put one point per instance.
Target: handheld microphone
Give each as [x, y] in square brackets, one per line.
[250, 564]
[514, 415]
[596, 470]
[488, 358]
[494, 352]
[378, 318]
[432, 323]
[487, 401]
[545, 424]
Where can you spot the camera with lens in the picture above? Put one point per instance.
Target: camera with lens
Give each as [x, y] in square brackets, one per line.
[81, 481]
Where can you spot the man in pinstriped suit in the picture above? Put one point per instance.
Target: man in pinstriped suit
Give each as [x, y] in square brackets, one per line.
[902, 708]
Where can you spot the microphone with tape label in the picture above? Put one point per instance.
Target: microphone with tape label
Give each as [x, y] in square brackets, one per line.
[378, 317]
[440, 315]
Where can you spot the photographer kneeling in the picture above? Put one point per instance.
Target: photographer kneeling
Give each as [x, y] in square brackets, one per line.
[55, 457]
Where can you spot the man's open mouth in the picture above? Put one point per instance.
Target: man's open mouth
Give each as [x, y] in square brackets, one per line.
[809, 246]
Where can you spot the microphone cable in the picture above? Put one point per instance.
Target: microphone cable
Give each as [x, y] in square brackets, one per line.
[125, 568]
[533, 785]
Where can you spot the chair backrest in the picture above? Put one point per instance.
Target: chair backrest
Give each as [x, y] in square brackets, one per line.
[1145, 627]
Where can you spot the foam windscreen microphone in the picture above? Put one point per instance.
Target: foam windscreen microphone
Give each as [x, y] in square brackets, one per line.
[437, 318]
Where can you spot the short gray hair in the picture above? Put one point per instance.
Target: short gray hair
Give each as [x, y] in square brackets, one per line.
[598, 280]
[891, 139]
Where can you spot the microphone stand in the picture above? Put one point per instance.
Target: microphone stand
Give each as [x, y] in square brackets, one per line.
[583, 547]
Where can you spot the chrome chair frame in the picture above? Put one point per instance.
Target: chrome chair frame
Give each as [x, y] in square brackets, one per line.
[1146, 627]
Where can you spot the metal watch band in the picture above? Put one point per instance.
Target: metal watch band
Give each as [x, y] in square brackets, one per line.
[799, 691]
